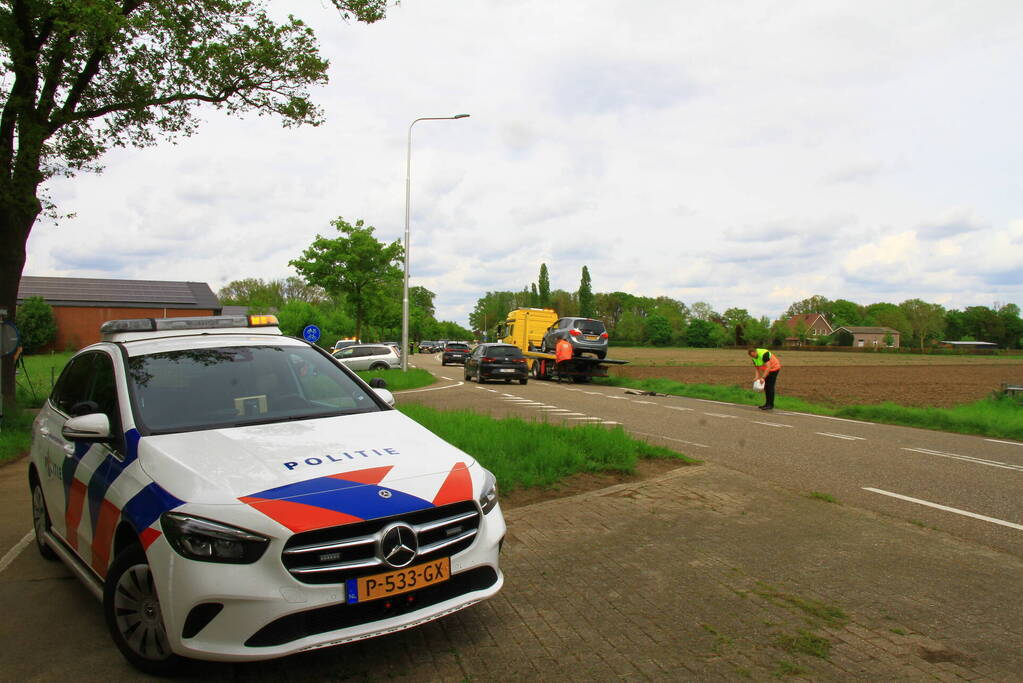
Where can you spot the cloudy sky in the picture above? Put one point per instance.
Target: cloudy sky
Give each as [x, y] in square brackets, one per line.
[743, 154]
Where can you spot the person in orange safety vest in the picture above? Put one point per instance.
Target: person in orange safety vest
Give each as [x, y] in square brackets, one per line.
[766, 366]
[562, 352]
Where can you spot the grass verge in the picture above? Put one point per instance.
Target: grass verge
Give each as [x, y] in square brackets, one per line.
[397, 380]
[997, 417]
[525, 454]
[42, 371]
[15, 435]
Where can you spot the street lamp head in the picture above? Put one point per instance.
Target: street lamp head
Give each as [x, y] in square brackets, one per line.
[460, 116]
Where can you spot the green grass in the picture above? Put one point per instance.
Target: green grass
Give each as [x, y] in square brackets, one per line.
[413, 378]
[995, 416]
[805, 643]
[826, 497]
[525, 454]
[15, 435]
[42, 371]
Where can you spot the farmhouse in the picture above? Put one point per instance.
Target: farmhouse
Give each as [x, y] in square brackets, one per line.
[868, 337]
[812, 325]
[81, 305]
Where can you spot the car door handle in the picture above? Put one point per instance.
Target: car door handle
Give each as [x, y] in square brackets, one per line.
[69, 449]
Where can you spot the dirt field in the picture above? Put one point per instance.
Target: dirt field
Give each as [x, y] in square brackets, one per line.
[837, 378]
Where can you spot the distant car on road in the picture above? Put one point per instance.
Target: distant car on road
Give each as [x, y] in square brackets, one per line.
[496, 361]
[426, 346]
[342, 343]
[369, 357]
[585, 334]
[454, 352]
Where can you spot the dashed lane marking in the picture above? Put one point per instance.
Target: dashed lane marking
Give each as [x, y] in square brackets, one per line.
[1011, 443]
[609, 422]
[946, 508]
[967, 458]
[648, 403]
[668, 438]
[720, 415]
[769, 424]
[678, 408]
[586, 419]
[841, 436]
[567, 414]
[414, 391]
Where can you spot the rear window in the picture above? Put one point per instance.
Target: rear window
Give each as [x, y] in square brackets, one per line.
[590, 326]
[503, 352]
[458, 347]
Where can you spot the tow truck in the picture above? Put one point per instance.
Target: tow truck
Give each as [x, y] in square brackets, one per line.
[526, 327]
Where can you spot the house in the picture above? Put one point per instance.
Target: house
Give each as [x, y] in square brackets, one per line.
[815, 325]
[81, 305]
[868, 337]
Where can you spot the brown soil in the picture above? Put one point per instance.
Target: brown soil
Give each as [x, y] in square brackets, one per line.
[911, 385]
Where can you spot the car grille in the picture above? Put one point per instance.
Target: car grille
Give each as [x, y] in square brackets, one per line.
[345, 552]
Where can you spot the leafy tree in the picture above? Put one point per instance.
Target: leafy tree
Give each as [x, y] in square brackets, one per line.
[587, 305]
[544, 287]
[36, 324]
[926, 321]
[813, 304]
[564, 303]
[736, 321]
[355, 265]
[534, 296]
[779, 332]
[1012, 325]
[81, 77]
[295, 315]
[704, 334]
[983, 324]
[701, 310]
[658, 330]
[845, 312]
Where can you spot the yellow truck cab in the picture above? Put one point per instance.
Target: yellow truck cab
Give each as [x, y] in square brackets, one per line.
[525, 327]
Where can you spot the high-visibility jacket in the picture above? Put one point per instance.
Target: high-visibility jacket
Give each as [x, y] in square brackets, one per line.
[563, 350]
[765, 357]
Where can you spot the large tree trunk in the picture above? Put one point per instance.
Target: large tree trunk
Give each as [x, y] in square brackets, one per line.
[15, 226]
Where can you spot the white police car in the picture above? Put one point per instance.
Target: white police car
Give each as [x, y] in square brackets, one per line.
[230, 493]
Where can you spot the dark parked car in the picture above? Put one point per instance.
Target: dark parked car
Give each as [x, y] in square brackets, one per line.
[454, 352]
[496, 361]
[585, 334]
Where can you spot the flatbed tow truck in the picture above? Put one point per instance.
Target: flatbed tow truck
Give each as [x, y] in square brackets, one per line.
[525, 328]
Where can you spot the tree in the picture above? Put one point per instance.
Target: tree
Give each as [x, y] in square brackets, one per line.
[36, 325]
[813, 304]
[1012, 326]
[658, 330]
[544, 287]
[845, 312]
[926, 321]
[586, 300]
[701, 310]
[355, 265]
[82, 77]
[736, 321]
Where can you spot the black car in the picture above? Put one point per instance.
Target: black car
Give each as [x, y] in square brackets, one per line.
[454, 352]
[496, 361]
[585, 334]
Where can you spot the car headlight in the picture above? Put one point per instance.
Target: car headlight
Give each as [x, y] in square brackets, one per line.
[208, 541]
[488, 499]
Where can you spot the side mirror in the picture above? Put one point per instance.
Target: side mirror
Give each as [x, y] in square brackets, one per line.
[92, 428]
[387, 396]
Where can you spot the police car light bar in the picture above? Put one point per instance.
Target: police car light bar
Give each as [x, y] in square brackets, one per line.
[199, 323]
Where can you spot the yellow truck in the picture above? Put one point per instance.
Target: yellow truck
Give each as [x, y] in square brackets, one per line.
[526, 327]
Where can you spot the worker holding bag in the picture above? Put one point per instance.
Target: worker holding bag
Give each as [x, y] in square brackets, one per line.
[766, 367]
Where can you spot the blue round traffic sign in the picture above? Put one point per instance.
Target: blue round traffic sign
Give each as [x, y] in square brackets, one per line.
[311, 334]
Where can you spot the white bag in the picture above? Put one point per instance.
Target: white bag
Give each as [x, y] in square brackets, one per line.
[758, 385]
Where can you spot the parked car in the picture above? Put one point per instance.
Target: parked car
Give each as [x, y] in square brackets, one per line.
[233, 494]
[369, 357]
[585, 334]
[342, 343]
[426, 346]
[496, 361]
[454, 352]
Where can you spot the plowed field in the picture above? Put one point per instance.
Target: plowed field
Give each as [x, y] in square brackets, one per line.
[837, 378]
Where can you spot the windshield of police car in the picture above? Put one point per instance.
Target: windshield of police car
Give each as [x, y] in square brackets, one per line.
[206, 388]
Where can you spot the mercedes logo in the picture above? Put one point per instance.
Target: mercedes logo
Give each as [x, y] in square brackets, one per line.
[384, 493]
[398, 545]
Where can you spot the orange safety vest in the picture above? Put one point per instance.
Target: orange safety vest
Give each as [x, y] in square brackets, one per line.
[773, 364]
[563, 350]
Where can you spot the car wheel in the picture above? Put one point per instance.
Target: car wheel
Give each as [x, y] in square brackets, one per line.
[465, 375]
[41, 520]
[601, 354]
[479, 376]
[379, 366]
[523, 380]
[132, 610]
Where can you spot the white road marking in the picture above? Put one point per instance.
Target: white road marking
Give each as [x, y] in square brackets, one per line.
[1011, 443]
[720, 415]
[447, 378]
[610, 422]
[560, 410]
[668, 438]
[622, 398]
[413, 391]
[648, 403]
[679, 408]
[957, 511]
[769, 424]
[967, 458]
[567, 414]
[826, 417]
[586, 419]
[841, 436]
[11, 554]
[593, 393]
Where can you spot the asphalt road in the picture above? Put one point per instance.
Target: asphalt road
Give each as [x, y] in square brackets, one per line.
[965, 485]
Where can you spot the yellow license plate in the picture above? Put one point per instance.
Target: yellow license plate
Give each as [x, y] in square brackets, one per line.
[402, 580]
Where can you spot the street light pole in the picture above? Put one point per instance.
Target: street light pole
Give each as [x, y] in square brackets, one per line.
[408, 198]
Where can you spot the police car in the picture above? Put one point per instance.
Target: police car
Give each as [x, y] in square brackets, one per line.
[230, 493]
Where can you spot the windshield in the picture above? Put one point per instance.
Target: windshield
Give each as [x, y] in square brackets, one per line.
[458, 347]
[240, 385]
[503, 352]
[590, 326]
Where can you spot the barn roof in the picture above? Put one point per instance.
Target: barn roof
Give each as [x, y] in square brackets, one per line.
[77, 291]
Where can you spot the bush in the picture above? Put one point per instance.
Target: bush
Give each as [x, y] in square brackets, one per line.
[36, 324]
